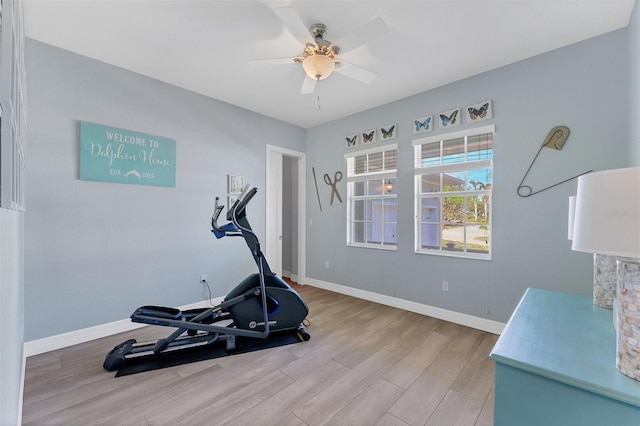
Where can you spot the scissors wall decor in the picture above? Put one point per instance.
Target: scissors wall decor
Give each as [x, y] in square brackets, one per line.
[337, 177]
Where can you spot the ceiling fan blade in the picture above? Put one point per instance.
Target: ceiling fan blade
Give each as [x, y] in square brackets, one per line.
[356, 72]
[365, 34]
[292, 21]
[308, 85]
[272, 61]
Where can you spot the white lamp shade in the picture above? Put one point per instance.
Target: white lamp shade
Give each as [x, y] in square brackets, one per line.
[318, 67]
[572, 216]
[607, 213]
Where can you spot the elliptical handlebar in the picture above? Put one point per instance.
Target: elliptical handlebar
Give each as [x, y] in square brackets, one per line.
[225, 230]
[233, 214]
[216, 214]
[238, 207]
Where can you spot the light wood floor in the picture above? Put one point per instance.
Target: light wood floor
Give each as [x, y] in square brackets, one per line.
[366, 364]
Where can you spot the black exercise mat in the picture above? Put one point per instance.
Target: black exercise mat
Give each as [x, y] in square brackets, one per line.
[215, 350]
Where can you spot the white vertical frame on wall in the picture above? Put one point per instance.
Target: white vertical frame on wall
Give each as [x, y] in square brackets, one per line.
[12, 103]
[273, 187]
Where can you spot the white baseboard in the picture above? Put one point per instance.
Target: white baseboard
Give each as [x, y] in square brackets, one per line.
[21, 398]
[483, 324]
[288, 274]
[46, 344]
[38, 346]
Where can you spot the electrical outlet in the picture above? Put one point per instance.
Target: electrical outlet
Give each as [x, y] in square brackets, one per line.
[445, 285]
[203, 278]
[326, 264]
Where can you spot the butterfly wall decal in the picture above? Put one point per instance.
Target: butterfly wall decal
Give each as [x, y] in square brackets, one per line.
[351, 141]
[478, 112]
[388, 133]
[368, 136]
[422, 124]
[475, 113]
[449, 120]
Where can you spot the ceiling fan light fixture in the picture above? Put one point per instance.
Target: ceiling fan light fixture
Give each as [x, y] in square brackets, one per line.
[318, 67]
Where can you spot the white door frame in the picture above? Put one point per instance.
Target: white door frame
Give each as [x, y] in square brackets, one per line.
[271, 234]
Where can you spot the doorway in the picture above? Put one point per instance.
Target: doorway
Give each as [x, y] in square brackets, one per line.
[286, 212]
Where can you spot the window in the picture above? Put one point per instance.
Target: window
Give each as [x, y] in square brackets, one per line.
[372, 206]
[453, 186]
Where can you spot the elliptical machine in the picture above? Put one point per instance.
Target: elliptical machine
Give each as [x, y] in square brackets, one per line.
[263, 303]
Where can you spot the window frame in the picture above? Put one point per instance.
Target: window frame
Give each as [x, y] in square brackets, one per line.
[353, 179]
[445, 167]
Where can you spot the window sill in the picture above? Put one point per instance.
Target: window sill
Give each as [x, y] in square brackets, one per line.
[458, 254]
[374, 246]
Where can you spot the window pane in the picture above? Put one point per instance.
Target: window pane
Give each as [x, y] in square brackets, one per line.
[430, 210]
[480, 147]
[478, 238]
[430, 183]
[359, 189]
[358, 210]
[453, 237]
[453, 181]
[375, 162]
[371, 210]
[389, 234]
[480, 179]
[391, 160]
[360, 165]
[453, 209]
[485, 208]
[390, 186]
[429, 237]
[373, 232]
[430, 155]
[390, 209]
[358, 232]
[453, 151]
[473, 210]
[375, 187]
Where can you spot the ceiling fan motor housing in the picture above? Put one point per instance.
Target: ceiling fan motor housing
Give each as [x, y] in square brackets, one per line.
[318, 30]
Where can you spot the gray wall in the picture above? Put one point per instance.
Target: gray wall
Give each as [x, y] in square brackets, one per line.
[95, 251]
[634, 85]
[582, 86]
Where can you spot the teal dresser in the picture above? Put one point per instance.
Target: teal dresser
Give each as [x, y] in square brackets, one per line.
[556, 365]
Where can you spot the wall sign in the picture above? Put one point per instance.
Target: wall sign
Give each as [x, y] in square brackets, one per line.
[109, 154]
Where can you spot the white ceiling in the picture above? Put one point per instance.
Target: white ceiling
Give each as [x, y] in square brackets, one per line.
[204, 46]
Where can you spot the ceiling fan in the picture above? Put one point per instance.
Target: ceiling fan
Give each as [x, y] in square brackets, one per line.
[320, 58]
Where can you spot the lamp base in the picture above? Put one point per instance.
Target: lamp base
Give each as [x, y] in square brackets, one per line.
[628, 318]
[604, 280]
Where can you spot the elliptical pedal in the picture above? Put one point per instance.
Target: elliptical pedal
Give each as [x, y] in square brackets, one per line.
[116, 358]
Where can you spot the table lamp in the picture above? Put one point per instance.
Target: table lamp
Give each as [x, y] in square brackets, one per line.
[604, 268]
[607, 221]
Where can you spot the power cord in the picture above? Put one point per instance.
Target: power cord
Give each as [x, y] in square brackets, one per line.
[208, 290]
